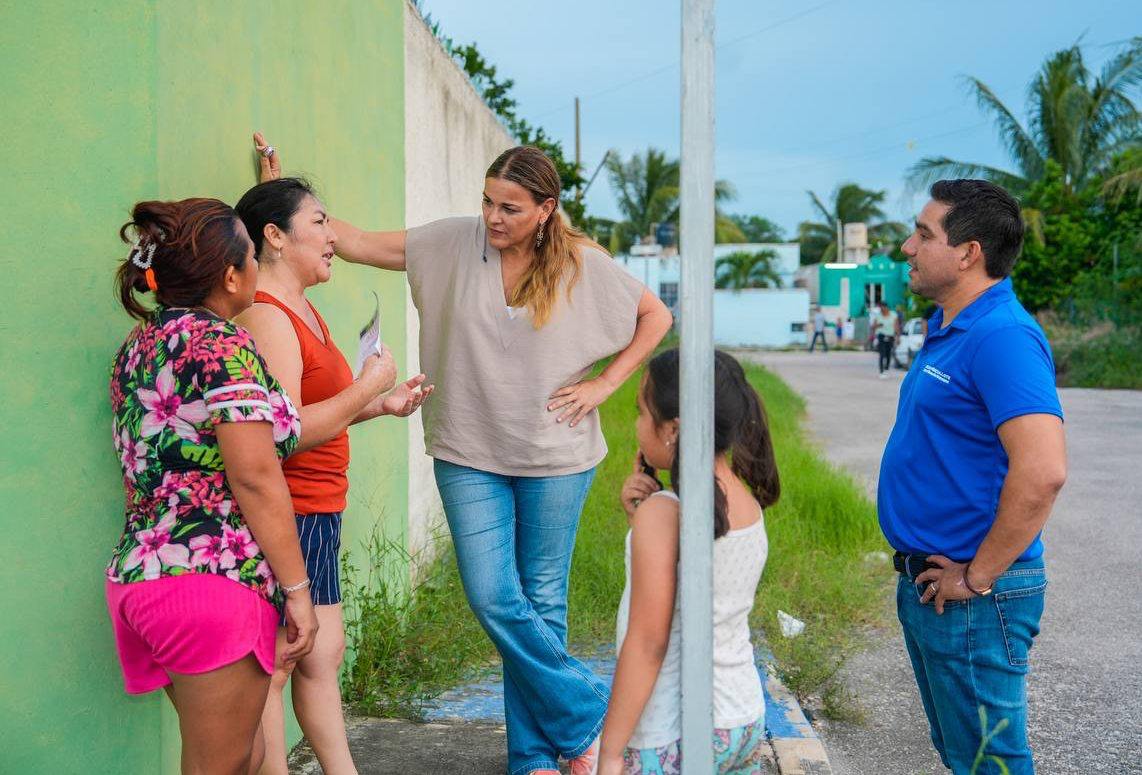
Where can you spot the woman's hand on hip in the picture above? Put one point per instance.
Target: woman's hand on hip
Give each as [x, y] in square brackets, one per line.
[579, 399]
[269, 165]
[301, 627]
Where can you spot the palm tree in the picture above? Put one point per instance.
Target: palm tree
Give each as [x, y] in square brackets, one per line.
[743, 269]
[851, 204]
[647, 189]
[1081, 122]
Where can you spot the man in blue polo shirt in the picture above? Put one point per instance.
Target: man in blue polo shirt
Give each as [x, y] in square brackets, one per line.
[969, 476]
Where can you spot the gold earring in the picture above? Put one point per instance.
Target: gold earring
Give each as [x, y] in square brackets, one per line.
[539, 235]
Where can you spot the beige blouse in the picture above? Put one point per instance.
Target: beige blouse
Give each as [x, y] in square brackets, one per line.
[494, 372]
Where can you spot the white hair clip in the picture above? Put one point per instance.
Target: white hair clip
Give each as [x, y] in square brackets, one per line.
[138, 251]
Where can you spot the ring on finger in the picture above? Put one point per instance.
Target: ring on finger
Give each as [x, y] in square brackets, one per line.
[268, 151]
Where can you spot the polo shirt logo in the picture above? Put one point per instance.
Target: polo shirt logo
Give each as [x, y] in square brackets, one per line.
[932, 371]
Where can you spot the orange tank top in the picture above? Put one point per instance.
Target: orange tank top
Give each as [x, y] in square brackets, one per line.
[317, 478]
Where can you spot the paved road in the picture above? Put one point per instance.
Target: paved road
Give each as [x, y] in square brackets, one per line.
[1085, 688]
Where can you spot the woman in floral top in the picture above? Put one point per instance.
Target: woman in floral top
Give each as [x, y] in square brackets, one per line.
[209, 556]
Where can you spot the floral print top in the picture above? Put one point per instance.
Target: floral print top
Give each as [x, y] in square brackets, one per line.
[177, 376]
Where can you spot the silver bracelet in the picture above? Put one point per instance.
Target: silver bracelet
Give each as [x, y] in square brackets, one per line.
[296, 587]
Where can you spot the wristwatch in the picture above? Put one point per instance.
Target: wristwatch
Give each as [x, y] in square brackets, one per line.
[981, 592]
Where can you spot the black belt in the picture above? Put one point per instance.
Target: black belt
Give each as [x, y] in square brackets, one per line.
[911, 565]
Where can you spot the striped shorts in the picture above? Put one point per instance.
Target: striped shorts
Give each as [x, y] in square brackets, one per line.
[320, 536]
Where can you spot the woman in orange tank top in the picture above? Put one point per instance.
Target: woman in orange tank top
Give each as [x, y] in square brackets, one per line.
[294, 241]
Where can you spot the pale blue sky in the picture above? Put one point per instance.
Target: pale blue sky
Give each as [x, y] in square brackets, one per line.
[810, 93]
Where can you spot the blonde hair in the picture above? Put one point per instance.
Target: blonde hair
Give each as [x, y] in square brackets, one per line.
[559, 259]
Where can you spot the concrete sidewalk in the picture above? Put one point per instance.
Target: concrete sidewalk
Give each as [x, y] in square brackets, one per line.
[464, 733]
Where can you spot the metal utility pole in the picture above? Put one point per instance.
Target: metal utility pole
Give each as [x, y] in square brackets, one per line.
[578, 156]
[697, 399]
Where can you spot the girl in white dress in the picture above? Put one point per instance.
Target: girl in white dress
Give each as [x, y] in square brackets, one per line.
[641, 735]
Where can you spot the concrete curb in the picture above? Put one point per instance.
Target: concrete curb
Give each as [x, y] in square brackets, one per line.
[795, 744]
[796, 748]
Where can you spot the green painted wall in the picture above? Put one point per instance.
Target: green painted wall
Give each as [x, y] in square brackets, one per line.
[106, 104]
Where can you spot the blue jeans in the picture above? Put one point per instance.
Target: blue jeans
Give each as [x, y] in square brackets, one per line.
[514, 536]
[976, 655]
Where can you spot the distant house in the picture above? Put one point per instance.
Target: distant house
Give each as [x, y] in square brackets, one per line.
[850, 290]
[754, 317]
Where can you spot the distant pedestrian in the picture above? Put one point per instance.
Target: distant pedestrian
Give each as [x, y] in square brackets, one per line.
[969, 477]
[840, 331]
[819, 330]
[884, 323]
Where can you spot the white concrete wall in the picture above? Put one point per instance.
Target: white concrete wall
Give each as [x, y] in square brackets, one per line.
[669, 269]
[450, 139]
[760, 317]
[755, 317]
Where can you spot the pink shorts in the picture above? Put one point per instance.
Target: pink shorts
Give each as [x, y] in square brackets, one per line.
[187, 624]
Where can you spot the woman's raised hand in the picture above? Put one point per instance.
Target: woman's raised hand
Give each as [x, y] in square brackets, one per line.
[406, 397]
[269, 164]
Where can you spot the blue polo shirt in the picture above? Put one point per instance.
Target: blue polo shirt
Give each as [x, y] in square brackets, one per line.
[944, 467]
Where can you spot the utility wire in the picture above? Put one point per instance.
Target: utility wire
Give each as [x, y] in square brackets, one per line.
[676, 63]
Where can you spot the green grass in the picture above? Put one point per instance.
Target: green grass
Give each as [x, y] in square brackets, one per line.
[408, 643]
[410, 647]
[820, 533]
[1098, 356]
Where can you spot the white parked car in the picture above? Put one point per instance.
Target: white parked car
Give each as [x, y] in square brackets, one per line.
[910, 342]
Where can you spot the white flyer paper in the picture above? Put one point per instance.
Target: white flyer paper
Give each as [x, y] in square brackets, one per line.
[370, 343]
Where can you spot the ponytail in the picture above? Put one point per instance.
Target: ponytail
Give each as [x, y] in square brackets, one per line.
[751, 454]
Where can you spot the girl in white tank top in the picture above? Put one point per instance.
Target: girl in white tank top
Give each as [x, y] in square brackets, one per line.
[642, 730]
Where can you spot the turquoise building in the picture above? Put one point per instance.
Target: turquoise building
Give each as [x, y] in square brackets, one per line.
[857, 287]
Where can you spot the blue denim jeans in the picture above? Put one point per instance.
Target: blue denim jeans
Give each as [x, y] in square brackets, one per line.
[514, 537]
[976, 655]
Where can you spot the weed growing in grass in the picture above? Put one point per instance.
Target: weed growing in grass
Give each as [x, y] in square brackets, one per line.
[408, 642]
[982, 757]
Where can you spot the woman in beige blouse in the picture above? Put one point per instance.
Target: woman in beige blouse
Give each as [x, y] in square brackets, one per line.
[515, 308]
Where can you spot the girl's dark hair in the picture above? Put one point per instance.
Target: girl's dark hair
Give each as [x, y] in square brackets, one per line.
[194, 242]
[740, 427]
[276, 202]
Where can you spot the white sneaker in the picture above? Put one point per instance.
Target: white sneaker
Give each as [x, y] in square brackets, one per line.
[883, 375]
